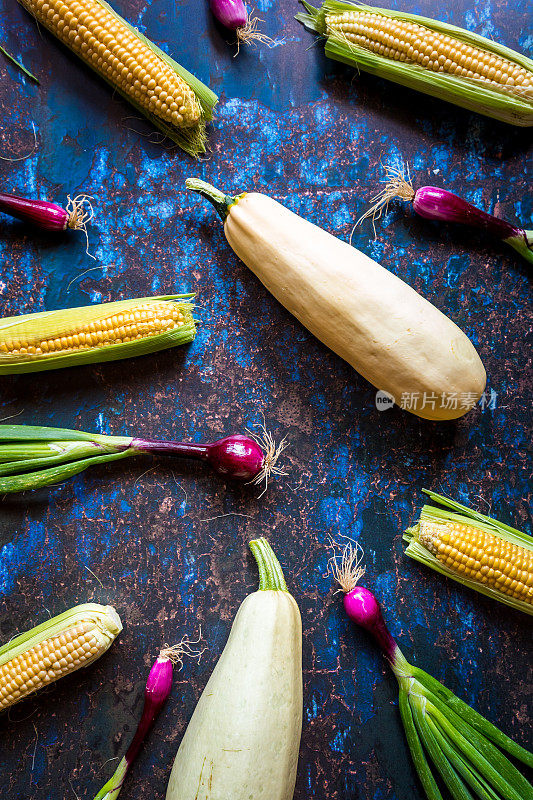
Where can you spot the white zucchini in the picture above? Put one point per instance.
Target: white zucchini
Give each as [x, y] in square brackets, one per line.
[243, 739]
[389, 333]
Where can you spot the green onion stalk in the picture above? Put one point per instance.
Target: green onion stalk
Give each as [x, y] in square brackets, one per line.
[32, 456]
[445, 735]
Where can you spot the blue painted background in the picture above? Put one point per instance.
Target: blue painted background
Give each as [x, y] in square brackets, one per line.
[167, 540]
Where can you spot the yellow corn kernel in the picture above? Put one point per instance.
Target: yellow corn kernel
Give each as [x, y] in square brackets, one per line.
[90, 335]
[108, 331]
[117, 53]
[433, 57]
[56, 648]
[401, 40]
[480, 556]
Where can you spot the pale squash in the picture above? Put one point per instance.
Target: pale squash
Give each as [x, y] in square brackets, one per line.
[389, 333]
[243, 738]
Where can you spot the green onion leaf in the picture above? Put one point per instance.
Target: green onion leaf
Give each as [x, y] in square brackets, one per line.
[453, 781]
[61, 456]
[466, 713]
[483, 765]
[48, 477]
[461, 765]
[417, 753]
[19, 65]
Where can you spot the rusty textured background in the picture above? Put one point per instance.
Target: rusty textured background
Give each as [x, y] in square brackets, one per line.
[168, 541]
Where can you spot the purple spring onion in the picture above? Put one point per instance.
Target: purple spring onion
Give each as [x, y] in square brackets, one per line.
[54, 454]
[237, 457]
[434, 203]
[233, 15]
[157, 690]
[50, 216]
[442, 731]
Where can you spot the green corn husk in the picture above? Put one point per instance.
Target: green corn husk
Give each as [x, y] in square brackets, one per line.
[19, 66]
[47, 325]
[192, 140]
[104, 617]
[466, 516]
[44, 665]
[469, 94]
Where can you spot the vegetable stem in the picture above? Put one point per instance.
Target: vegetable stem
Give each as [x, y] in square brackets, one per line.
[222, 202]
[180, 449]
[271, 576]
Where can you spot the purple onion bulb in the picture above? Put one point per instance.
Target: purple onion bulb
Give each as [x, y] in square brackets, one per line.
[45, 215]
[363, 608]
[159, 682]
[230, 13]
[158, 686]
[237, 457]
[438, 204]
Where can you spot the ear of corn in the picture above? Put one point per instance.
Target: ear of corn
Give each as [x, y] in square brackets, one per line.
[433, 57]
[103, 332]
[55, 648]
[475, 550]
[168, 95]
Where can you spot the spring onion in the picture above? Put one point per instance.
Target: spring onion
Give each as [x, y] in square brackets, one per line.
[157, 690]
[33, 456]
[233, 15]
[463, 746]
[432, 202]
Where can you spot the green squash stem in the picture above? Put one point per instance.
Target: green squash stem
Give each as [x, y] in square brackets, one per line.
[222, 202]
[271, 576]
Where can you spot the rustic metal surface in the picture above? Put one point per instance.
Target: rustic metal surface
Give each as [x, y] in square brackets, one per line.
[166, 543]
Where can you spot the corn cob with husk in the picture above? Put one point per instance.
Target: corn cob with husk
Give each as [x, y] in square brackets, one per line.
[55, 648]
[475, 550]
[433, 57]
[101, 332]
[170, 97]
